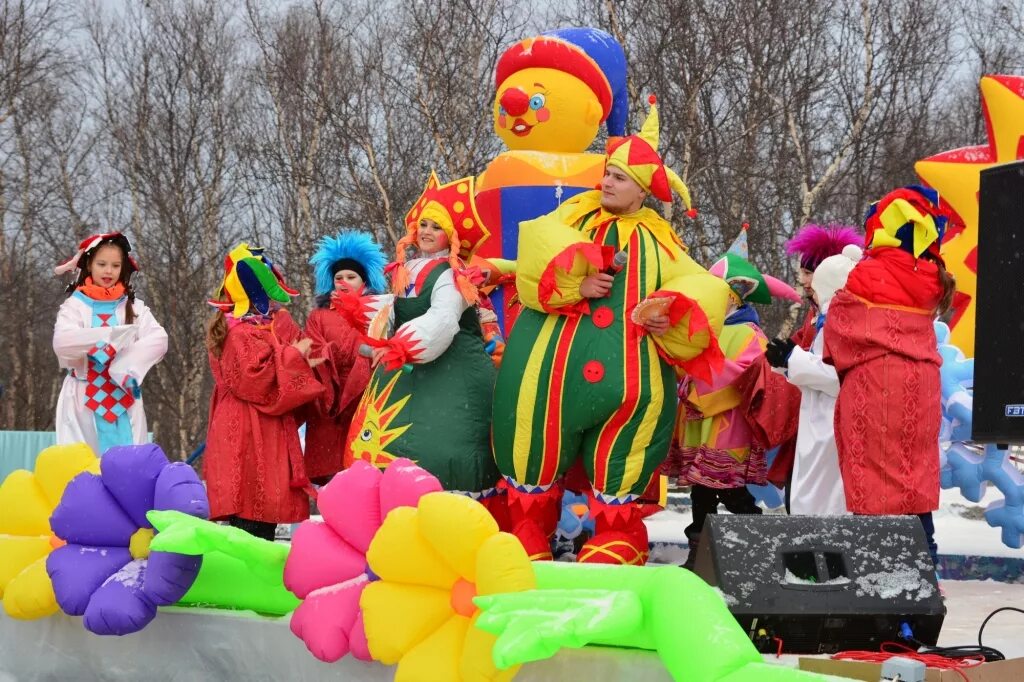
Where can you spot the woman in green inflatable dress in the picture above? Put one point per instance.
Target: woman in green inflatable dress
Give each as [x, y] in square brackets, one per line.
[429, 398]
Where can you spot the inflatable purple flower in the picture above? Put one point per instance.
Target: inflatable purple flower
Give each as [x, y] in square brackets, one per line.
[106, 571]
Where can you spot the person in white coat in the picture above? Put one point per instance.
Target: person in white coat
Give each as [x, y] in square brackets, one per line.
[108, 341]
[817, 485]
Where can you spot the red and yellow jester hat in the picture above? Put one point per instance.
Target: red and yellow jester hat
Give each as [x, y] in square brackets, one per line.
[453, 207]
[637, 156]
[911, 218]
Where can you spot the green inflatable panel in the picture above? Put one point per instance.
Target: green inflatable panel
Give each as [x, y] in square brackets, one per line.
[239, 571]
[668, 610]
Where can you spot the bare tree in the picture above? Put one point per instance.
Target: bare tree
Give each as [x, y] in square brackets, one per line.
[34, 71]
[171, 104]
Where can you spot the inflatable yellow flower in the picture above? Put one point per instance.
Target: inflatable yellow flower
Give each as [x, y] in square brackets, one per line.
[428, 564]
[26, 501]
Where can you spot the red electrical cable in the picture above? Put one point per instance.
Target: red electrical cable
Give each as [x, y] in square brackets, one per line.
[778, 652]
[892, 649]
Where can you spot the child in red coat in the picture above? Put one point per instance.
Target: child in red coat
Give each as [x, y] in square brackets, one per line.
[880, 336]
[347, 263]
[262, 373]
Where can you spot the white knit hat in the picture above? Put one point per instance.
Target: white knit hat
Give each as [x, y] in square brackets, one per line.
[830, 276]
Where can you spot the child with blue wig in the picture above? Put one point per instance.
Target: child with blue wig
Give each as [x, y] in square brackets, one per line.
[348, 263]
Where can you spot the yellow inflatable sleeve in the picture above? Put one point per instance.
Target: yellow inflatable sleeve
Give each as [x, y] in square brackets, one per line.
[554, 259]
[697, 314]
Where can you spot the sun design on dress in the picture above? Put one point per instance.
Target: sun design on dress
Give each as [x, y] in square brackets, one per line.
[372, 430]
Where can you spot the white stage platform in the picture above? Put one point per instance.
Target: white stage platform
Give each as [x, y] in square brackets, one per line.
[189, 645]
[186, 645]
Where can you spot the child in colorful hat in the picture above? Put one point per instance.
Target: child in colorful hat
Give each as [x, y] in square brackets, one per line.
[262, 373]
[351, 263]
[429, 397]
[880, 337]
[108, 340]
[719, 454]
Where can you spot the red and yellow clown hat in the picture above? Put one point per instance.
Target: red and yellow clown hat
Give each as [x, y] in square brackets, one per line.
[911, 218]
[637, 156]
[93, 241]
[453, 207]
[250, 283]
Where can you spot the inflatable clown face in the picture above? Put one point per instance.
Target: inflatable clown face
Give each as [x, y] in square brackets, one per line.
[553, 91]
[546, 110]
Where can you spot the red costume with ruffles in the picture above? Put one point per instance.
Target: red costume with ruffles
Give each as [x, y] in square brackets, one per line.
[344, 375]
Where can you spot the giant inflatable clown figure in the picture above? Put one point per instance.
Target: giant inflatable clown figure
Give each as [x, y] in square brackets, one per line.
[581, 377]
[553, 92]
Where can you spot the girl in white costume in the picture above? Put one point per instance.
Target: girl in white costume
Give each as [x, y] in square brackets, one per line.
[817, 486]
[108, 341]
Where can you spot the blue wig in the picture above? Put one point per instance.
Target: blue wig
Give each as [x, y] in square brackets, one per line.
[360, 247]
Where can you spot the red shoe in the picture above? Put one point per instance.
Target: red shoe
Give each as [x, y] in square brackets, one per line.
[614, 547]
[620, 535]
[533, 518]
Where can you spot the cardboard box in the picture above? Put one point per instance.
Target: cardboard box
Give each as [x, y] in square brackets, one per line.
[1000, 671]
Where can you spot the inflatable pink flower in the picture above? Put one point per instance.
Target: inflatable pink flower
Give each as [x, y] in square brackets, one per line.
[327, 566]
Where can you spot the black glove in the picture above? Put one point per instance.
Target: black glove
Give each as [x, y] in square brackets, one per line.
[778, 352]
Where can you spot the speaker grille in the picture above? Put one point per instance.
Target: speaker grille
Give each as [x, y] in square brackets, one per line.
[999, 326]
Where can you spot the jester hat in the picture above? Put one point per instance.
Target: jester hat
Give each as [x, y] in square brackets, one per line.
[637, 156]
[453, 207]
[910, 218]
[250, 283]
[814, 243]
[745, 280]
[343, 251]
[591, 55]
[91, 243]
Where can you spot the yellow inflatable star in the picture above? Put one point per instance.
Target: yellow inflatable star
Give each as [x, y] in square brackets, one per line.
[956, 175]
[431, 562]
[26, 501]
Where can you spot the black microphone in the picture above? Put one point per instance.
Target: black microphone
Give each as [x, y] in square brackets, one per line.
[618, 262]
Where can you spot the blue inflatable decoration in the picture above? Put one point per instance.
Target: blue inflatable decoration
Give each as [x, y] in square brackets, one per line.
[968, 467]
[768, 494]
[575, 517]
[957, 378]
[971, 472]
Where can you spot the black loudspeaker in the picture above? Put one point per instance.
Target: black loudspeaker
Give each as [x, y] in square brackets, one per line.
[822, 584]
[999, 326]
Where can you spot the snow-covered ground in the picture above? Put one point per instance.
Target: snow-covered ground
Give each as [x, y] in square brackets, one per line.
[968, 602]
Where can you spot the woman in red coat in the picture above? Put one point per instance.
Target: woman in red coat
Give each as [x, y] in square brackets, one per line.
[879, 335]
[348, 263]
[262, 373]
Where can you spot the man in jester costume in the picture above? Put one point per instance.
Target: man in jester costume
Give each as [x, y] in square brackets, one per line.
[613, 308]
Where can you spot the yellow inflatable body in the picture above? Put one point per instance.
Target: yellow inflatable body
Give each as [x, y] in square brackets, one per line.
[26, 501]
[956, 175]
